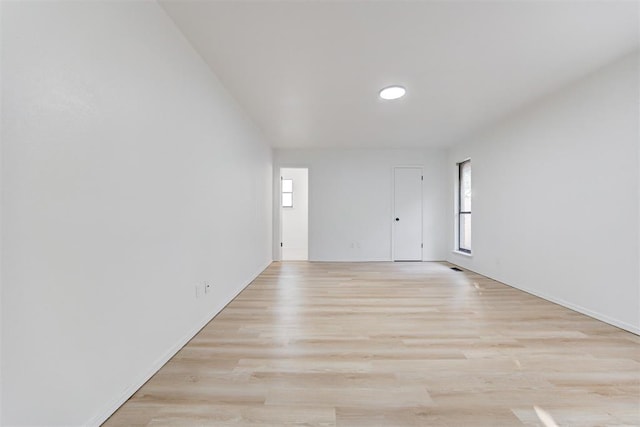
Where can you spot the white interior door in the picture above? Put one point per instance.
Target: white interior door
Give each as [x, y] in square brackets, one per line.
[294, 213]
[407, 214]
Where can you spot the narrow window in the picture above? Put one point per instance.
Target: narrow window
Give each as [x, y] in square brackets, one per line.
[464, 206]
[287, 193]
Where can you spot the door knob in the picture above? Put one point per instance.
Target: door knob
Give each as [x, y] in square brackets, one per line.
[397, 219]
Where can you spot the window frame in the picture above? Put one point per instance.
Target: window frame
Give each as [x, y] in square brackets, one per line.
[282, 193]
[460, 212]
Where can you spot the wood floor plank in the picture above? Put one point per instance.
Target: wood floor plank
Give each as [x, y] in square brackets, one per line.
[392, 344]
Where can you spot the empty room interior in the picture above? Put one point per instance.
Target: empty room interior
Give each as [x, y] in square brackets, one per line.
[320, 213]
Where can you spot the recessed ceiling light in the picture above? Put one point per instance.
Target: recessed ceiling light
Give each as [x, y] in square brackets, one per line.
[392, 92]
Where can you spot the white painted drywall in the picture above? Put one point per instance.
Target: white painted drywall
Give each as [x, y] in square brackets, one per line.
[465, 63]
[295, 220]
[129, 177]
[555, 188]
[1, 186]
[350, 200]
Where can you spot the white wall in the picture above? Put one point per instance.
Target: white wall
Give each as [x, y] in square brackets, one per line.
[129, 177]
[295, 220]
[1, 220]
[555, 188]
[350, 201]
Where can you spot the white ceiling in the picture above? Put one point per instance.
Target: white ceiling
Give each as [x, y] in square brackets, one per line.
[308, 72]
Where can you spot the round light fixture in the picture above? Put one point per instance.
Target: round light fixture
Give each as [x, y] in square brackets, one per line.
[392, 92]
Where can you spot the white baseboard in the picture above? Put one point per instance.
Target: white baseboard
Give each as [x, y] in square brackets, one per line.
[346, 260]
[571, 306]
[162, 360]
[355, 260]
[596, 315]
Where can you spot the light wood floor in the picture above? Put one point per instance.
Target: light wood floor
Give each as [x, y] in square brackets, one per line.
[393, 344]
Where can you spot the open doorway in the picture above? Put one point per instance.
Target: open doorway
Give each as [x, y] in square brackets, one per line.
[294, 213]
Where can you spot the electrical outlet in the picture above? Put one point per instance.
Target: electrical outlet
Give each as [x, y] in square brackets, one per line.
[207, 287]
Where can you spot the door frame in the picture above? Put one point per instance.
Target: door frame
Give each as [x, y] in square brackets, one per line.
[393, 208]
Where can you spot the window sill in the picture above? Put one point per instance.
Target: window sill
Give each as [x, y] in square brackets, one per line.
[463, 253]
